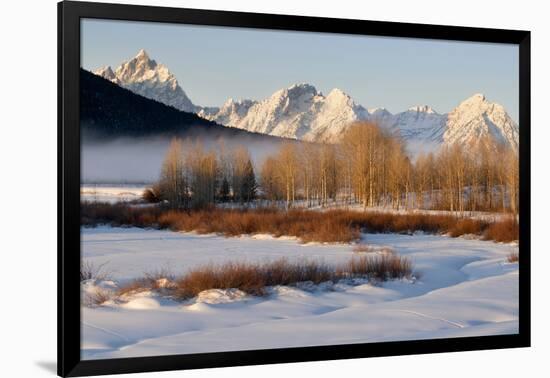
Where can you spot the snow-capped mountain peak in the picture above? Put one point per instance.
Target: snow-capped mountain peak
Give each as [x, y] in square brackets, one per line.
[300, 111]
[296, 94]
[339, 96]
[106, 72]
[142, 54]
[146, 77]
[476, 118]
[231, 112]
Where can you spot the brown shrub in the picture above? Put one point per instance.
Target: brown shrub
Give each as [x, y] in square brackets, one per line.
[331, 226]
[118, 214]
[253, 278]
[381, 267]
[282, 272]
[467, 226]
[98, 297]
[151, 195]
[156, 280]
[170, 219]
[228, 276]
[506, 230]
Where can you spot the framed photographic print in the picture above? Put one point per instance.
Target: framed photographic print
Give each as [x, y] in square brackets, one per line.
[239, 188]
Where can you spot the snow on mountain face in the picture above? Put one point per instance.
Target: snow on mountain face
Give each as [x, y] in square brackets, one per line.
[302, 112]
[338, 111]
[421, 128]
[107, 73]
[230, 113]
[476, 118]
[144, 76]
[299, 112]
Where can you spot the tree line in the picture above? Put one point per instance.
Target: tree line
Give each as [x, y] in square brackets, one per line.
[193, 177]
[369, 166]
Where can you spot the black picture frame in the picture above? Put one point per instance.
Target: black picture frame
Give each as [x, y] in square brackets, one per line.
[69, 15]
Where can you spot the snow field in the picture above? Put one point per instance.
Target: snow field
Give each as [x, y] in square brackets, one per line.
[466, 288]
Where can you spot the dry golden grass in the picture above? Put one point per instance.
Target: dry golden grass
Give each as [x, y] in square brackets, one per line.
[381, 267]
[504, 231]
[467, 226]
[245, 277]
[333, 226]
[161, 279]
[98, 297]
[254, 278]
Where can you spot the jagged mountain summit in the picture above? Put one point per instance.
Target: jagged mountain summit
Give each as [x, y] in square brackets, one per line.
[476, 118]
[144, 76]
[299, 111]
[304, 113]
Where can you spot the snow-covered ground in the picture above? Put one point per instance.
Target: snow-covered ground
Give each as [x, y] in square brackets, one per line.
[111, 192]
[465, 288]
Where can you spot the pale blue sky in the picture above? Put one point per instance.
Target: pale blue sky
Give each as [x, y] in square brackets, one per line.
[215, 63]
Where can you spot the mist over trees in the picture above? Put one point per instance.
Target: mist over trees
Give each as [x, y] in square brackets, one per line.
[369, 167]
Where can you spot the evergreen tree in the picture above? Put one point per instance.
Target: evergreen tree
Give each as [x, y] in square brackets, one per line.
[224, 190]
[248, 185]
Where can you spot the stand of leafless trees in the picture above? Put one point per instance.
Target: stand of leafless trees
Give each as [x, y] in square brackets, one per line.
[370, 166]
[192, 177]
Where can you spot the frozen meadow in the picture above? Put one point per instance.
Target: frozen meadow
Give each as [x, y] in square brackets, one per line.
[465, 287]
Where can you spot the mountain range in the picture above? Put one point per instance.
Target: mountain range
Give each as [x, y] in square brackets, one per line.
[108, 111]
[302, 112]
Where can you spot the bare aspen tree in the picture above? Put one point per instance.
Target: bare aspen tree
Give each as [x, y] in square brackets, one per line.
[172, 184]
[203, 173]
[369, 166]
[328, 173]
[458, 166]
[345, 168]
[287, 159]
[422, 173]
[269, 180]
[489, 162]
[355, 143]
[243, 181]
[447, 182]
[511, 162]
[308, 162]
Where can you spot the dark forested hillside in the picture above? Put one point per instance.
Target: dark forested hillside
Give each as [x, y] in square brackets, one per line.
[108, 110]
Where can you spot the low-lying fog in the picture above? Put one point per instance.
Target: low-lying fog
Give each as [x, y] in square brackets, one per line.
[138, 160]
